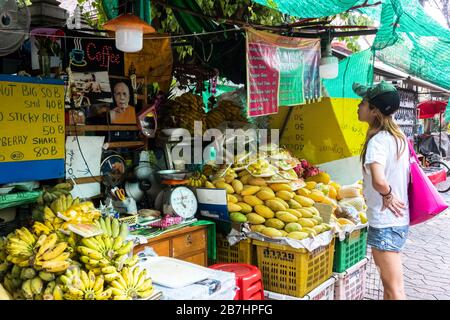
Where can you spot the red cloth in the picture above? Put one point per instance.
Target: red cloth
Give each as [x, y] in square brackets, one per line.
[436, 177]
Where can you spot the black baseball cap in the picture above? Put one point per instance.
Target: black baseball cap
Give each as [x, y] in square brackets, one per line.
[383, 95]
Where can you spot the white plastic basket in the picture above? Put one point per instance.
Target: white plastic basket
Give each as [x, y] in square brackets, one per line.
[351, 284]
[323, 292]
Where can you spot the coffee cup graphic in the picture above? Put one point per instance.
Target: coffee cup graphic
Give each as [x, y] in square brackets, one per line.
[77, 56]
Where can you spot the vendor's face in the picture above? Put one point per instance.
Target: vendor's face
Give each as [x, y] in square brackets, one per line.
[121, 95]
[365, 114]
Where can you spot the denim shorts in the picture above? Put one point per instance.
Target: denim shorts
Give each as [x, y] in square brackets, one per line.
[388, 239]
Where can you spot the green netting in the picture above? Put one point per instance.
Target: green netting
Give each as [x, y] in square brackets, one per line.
[355, 68]
[412, 41]
[310, 8]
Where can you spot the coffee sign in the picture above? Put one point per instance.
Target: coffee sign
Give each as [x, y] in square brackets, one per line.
[89, 54]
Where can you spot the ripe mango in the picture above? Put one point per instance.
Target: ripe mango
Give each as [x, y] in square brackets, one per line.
[283, 233]
[306, 222]
[317, 218]
[254, 218]
[293, 226]
[271, 232]
[295, 212]
[305, 213]
[319, 229]
[332, 193]
[280, 186]
[275, 205]
[209, 185]
[310, 231]
[303, 192]
[252, 200]
[245, 179]
[257, 227]
[249, 190]
[313, 210]
[257, 181]
[328, 200]
[294, 204]
[362, 217]
[233, 207]
[285, 195]
[245, 208]
[264, 211]
[298, 235]
[237, 186]
[243, 173]
[304, 201]
[274, 223]
[238, 197]
[238, 217]
[265, 195]
[310, 185]
[344, 221]
[224, 185]
[286, 216]
[316, 195]
[231, 198]
[322, 177]
[285, 204]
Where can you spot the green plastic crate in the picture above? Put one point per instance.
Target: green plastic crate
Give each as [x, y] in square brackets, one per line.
[351, 250]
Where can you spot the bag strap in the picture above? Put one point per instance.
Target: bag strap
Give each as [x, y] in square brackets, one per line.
[412, 153]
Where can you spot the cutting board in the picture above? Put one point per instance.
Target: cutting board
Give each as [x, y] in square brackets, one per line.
[174, 273]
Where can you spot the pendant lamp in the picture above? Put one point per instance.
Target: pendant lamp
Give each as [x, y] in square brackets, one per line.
[329, 64]
[129, 31]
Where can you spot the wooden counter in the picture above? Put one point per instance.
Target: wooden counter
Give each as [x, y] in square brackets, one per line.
[189, 244]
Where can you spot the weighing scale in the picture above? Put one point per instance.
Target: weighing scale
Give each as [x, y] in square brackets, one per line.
[175, 199]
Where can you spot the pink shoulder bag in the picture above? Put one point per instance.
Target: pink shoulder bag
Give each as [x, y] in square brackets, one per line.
[425, 202]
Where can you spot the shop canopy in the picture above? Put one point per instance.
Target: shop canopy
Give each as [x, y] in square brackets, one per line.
[428, 109]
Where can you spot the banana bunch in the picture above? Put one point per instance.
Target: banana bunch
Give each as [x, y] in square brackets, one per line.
[183, 111]
[52, 255]
[132, 284]
[12, 282]
[51, 194]
[197, 180]
[32, 289]
[108, 249]
[20, 247]
[4, 265]
[81, 285]
[231, 111]
[214, 118]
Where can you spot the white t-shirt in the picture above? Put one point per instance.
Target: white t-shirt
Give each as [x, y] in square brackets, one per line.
[383, 150]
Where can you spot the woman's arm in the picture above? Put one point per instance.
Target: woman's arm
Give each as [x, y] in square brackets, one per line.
[380, 184]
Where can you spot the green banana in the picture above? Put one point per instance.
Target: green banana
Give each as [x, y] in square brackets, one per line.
[115, 228]
[47, 276]
[27, 273]
[26, 289]
[108, 226]
[123, 231]
[37, 285]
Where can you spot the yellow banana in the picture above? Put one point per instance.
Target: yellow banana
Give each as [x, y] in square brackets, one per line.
[145, 294]
[105, 295]
[58, 293]
[85, 280]
[108, 269]
[98, 285]
[108, 242]
[56, 251]
[55, 266]
[91, 278]
[117, 243]
[100, 242]
[93, 254]
[26, 289]
[126, 248]
[37, 285]
[48, 244]
[62, 257]
[108, 226]
[146, 285]
[115, 228]
[91, 243]
[111, 277]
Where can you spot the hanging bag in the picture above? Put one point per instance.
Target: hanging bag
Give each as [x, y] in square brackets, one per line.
[424, 200]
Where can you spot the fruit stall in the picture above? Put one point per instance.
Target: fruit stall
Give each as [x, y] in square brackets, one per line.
[114, 185]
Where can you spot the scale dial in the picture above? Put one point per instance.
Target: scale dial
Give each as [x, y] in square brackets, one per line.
[183, 202]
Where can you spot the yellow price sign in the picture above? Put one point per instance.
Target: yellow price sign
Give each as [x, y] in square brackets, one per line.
[324, 131]
[31, 119]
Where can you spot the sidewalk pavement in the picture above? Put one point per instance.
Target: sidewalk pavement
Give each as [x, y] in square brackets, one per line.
[426, 261]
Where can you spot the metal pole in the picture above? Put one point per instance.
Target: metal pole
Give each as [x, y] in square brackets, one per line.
[440, 129]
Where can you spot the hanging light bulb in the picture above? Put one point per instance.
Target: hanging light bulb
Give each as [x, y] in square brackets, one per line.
[129, 31]
[329, 64]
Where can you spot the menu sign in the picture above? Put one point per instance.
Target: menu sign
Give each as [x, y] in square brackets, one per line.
[278, 69]
[31, 121]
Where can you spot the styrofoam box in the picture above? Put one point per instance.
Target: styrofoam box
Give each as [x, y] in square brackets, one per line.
[323, 292]
[351, 284]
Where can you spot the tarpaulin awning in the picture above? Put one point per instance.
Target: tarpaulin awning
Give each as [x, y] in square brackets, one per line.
[428, 109]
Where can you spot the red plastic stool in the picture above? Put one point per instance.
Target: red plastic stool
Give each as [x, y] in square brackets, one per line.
[248, 280]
